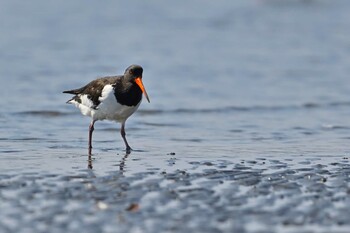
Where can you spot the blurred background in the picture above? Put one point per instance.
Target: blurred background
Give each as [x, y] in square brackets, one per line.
[225, 78]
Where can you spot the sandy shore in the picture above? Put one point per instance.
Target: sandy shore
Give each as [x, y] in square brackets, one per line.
[258, 195]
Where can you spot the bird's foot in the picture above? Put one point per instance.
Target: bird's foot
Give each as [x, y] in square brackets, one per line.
[128, 150]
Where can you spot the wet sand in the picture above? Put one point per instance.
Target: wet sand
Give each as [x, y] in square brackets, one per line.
[259, 195]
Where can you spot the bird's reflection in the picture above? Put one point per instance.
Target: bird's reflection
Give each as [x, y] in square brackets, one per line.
[121, 163]
[90, 161]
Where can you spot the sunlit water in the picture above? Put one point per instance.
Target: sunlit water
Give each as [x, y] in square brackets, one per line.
[228, 81]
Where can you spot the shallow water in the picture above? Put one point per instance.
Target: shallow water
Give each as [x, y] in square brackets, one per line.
[247, 129]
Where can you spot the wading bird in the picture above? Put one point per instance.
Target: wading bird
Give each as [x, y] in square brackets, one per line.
[112, 98]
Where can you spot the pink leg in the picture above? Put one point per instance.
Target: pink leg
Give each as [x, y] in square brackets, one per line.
[91, 129]
[122, 132]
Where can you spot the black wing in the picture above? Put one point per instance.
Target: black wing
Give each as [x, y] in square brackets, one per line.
[92, 90]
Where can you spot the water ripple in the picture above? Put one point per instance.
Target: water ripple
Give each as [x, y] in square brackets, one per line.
[225, 109]
[43, 113]
[255, 108]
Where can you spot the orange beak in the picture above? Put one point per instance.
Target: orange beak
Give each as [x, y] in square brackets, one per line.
[138, 81]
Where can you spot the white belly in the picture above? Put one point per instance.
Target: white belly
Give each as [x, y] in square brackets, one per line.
[108, 109]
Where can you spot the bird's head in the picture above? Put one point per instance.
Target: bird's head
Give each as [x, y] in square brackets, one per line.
[134, 74]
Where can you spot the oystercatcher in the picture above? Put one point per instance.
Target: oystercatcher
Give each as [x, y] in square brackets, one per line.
[112, 98]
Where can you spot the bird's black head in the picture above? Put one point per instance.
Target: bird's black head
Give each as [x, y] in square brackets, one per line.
[134, 74]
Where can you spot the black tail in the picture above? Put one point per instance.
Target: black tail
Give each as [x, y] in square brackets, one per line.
[73, 92]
